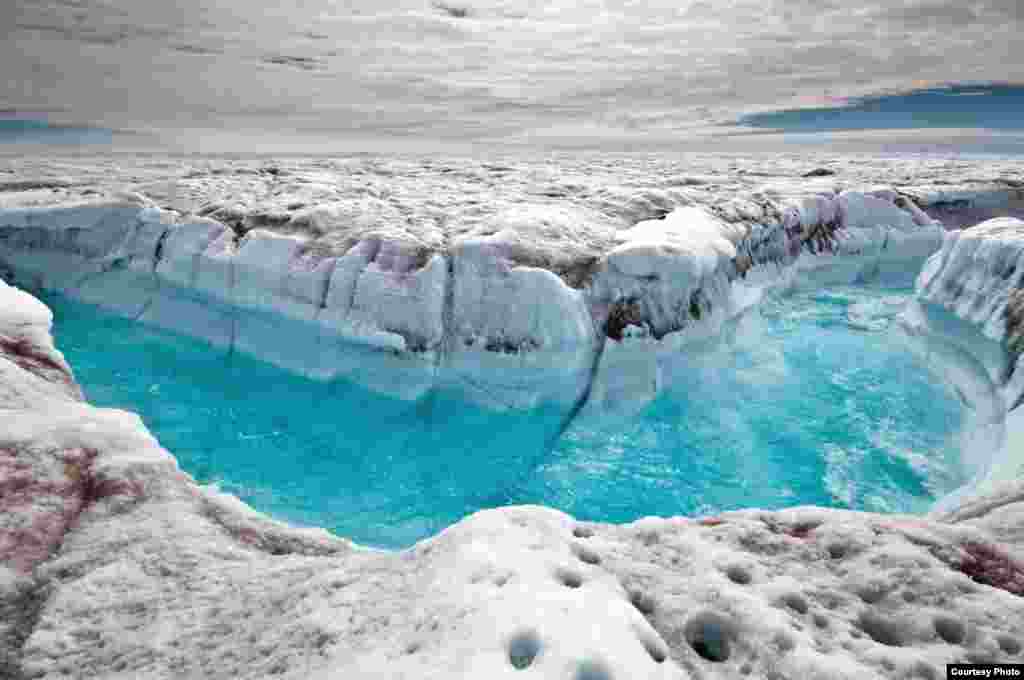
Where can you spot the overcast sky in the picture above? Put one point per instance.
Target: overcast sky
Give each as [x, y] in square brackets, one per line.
[561, 72]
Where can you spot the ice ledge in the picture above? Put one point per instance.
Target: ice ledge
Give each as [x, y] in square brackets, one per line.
[113, 563]
[515, 309]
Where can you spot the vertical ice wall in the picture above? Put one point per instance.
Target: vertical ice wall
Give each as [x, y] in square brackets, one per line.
[968, 318]
[541, 303]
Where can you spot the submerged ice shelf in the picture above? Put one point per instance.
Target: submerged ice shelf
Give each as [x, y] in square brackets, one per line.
[813, 402]
[812, 399]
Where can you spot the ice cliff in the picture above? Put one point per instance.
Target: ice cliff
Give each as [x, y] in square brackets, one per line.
[502, 282]
[967, 316]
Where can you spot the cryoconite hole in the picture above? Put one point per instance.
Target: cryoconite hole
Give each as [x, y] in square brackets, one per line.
[816, 402]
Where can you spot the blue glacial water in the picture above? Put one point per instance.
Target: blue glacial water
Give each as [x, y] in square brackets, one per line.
[813, 402]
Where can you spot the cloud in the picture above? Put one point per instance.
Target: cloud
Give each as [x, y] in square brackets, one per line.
[488, 70]
[304, 63]
[454, 11]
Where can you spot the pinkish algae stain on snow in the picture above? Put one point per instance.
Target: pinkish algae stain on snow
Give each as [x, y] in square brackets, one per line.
[991, 566]
[42, 495]
[38, 361]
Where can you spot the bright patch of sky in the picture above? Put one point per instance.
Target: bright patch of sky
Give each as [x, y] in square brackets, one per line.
[26, 130]
[999, 107]
[576, 73]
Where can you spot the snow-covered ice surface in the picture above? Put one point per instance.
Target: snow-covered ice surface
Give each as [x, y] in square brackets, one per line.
[520, 283]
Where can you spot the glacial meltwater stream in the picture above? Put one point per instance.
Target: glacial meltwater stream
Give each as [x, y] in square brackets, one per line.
[815, 401]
